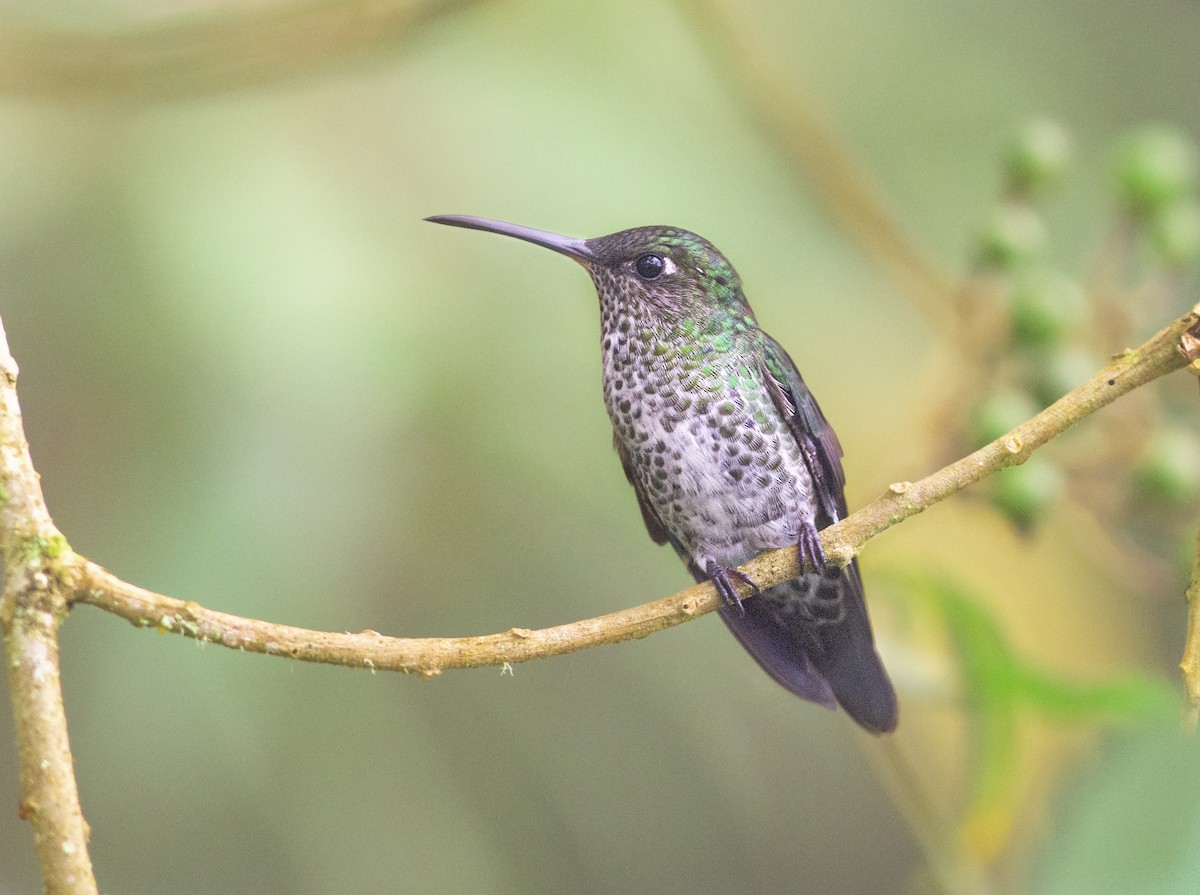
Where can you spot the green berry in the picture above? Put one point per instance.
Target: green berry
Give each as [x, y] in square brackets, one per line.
[1175, 234]
[1170, 469]
[1038, 158]
[1000, 413]
[1023, 493]
[1014, 236]
[1156, 167]
[1046, 306]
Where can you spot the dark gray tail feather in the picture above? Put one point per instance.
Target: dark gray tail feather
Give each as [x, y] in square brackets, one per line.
[763, 635]
[828, 663]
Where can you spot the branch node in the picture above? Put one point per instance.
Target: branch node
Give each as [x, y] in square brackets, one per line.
[841, 556]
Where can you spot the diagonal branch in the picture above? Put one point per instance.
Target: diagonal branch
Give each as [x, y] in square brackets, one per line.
[429, 656]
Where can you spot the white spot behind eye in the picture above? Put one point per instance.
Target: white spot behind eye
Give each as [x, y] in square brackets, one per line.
[668, 266]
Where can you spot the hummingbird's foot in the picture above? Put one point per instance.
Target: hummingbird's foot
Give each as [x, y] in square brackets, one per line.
[812, 554]
[719, 576]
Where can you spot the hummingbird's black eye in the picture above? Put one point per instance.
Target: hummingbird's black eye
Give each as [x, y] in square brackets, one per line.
[649, 265]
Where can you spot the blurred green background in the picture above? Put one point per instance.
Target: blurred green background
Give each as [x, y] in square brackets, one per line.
[252, 377]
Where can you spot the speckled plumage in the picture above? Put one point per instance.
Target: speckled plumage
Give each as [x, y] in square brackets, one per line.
[728, 453]
[692, 418]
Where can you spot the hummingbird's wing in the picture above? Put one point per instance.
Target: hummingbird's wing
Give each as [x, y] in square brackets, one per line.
[817, 440]
[654, 525]
[842, 652]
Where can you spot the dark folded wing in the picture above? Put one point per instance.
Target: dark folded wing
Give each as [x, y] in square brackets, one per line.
[817, 440]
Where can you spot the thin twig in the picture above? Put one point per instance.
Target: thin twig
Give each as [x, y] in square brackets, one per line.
[1190, 665]
[1127, 371]
[788, 117]
[32, 605]
[197, 55]
[429, 656]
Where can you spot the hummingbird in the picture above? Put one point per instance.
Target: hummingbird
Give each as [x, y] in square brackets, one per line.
[728, 454]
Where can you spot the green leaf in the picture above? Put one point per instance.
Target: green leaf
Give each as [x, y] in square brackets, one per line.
[999, 687]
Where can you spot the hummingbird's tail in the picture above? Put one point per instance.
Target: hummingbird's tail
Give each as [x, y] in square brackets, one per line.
[827, 661]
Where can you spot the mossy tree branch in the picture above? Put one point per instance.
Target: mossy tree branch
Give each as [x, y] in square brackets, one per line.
[43, 577]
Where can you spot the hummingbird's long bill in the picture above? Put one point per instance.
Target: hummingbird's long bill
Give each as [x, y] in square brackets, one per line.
[566, 245]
